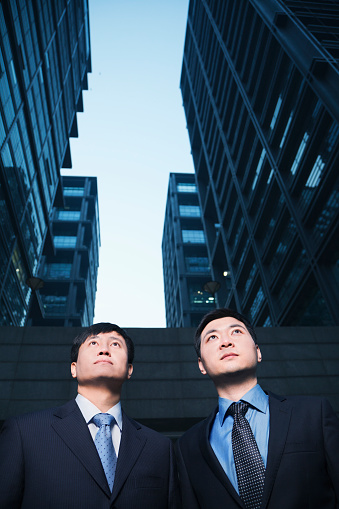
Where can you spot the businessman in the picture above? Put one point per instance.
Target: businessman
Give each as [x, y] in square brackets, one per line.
[87, 454]
[257, 449]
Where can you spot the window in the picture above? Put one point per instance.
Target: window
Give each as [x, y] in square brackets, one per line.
[74, 191]
[258, 170]
[65, 241]
[21, 273]
[184, 187]
[199, 298]
[316, 172]
[68, 215]
[276, 112]
[267, 322]
[14, 299]
[54, 304]
[286, 130]
[189, 211]
[13, 71]
[299, 155]
[197, 264]
[258, 300]
[292, 280]
[195, 236]
[285, 239]
[58, 270]
[250, 277]
[327, 215]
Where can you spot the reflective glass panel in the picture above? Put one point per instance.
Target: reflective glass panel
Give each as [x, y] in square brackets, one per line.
[184, 187]
[197, 264]
[195, 236]
[189, 211]
[65, 241]
[68, 215]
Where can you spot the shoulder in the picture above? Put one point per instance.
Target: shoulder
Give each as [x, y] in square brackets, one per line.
[307, 406]
[40, 416]
[197, 432]
[22, 428]
[298, 401]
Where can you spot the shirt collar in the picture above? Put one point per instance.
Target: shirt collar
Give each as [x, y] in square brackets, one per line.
[89, 410]
[255, 397]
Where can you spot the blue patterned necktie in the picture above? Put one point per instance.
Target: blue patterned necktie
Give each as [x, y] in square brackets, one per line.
[248, 461]
[104, 445]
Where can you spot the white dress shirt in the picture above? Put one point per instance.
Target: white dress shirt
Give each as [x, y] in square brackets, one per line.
[89, 410]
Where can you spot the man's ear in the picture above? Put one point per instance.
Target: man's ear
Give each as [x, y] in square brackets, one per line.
[130, 371]
[74, 369]
[259, 356]
[202, 367]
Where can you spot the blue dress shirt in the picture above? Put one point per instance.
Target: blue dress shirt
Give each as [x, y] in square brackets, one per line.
[258, 416]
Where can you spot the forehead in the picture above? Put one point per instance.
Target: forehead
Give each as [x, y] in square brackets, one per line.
[222, 323]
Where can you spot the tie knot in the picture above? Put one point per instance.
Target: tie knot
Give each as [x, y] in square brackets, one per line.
[238, 408]
[103, 419]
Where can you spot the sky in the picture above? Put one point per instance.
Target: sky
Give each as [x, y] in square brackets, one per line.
[132, 134]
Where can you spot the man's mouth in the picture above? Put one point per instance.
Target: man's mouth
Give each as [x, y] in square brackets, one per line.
[228, 356]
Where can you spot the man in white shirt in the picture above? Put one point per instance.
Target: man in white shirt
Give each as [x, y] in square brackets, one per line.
[88, 453]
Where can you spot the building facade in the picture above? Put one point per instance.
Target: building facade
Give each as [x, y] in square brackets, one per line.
[70, 275]
[185, 261]
[260, 85]
[44, 61]
[167, 391]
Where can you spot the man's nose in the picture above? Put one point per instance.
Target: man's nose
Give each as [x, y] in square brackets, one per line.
[225, 342]
[104, 351]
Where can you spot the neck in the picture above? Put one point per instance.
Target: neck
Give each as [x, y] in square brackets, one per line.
[235, 391]
[102, 397]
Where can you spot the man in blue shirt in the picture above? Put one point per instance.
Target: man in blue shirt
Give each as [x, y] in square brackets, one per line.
[257, 450]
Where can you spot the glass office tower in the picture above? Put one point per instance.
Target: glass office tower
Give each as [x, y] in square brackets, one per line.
[260, 84]
[184, 254]
[70, 275]
[44, 61]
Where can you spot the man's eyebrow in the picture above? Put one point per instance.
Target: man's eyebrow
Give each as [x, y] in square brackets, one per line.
[209, 332]
[111, 337]
[228, 327]
[91, 337]
[237, 325]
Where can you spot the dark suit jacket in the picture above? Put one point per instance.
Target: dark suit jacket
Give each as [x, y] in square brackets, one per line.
[48, 460]
[302, 464]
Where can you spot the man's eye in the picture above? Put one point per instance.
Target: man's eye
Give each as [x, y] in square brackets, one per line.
[93, 343]
[211, 337]
[238, 330]
[116, 343]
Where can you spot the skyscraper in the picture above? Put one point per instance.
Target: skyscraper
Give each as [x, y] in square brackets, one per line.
[44, 61]
[260, 84]
[185, 262]
[70, 275]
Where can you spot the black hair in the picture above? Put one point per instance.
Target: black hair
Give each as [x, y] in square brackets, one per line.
[215, 315]
[101, 328]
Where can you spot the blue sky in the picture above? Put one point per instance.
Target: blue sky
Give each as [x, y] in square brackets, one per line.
[132, 134]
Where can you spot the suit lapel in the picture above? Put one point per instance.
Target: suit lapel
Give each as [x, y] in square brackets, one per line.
[73, 430]
[280, 415]
[212, 460]
[131, 445]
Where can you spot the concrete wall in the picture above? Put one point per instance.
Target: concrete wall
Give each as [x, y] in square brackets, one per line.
[167, 390]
